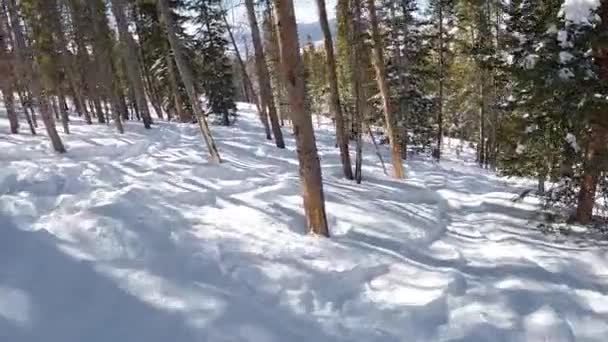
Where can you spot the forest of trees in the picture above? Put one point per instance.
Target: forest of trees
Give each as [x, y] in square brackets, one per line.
[524, 82]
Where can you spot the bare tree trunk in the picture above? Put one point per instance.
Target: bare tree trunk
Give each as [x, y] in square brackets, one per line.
[25, 107]
[378, 59]
[482, 122]
[64, 114]
[596, 159]
[266, 100]
[82, 57]
[336, 107]
[357, 75]
[441, 73]
[187, 78]
[293, 72]
[29, 69]
[247, 80]
[177, 101]
[130, 57]
[9, 103]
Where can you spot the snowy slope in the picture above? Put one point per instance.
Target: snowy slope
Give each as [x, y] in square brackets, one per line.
[137, 237]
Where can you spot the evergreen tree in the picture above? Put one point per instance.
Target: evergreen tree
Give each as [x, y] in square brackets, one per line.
[214, 68]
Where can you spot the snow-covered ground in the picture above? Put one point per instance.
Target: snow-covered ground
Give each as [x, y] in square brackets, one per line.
[137, 237]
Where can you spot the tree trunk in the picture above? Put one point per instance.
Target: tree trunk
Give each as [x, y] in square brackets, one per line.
[9, 103]
[482, 122]
[266, 100]
[441, 73]
[247, 80]
[187, 78]
[183, 115]
[26, 113]
[29, 69]
[82, 56]
[357, 74]
[378, 61]
[336, 107]
[596, 158]
[293, 72]
[131, 60]
[64, 114]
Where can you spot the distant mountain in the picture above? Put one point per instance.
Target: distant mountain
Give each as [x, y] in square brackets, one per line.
[314, 31]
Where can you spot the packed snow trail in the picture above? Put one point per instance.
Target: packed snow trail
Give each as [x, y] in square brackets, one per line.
[137, 237]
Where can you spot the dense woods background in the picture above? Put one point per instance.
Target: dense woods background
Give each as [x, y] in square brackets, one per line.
[524, 82]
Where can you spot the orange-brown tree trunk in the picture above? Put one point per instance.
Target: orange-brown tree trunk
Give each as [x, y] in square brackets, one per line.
[266, 100]
[333, 92]
[389, 115]
[306, 147]
[596, 159]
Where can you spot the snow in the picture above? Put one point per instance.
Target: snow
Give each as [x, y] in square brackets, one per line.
[571, 140]
[138, 237]
[579, 11]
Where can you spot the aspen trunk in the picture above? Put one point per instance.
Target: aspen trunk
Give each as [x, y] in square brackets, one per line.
[336, 107]
[293, 72]
[389, 115]
[187, 78]
[266, 100]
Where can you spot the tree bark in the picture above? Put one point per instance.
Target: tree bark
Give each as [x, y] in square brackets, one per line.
[357, 75]
[9, 103]
[177, 100]
[29, 69]
[247, 80]
[441, 73]
[334, 100]
[293, 72]
[131, 59]
[187, 78]
[266, 100]
[82, 56]
[378, 61]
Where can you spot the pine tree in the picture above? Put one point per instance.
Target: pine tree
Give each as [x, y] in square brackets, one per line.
[214, 66]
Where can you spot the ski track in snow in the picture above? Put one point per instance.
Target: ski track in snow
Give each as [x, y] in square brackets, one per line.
[137, 237]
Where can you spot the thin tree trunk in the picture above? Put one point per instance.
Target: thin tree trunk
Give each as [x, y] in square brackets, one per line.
[187, 78]
[336, 107]
[26, 113]
[389, 115]
[357, 74]
[64, 114]
[247, 80]
[293, 72]
[177, 100]
[441, 73]
[371, 135]
[266, 100]
[82, 57]
[131, 60]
